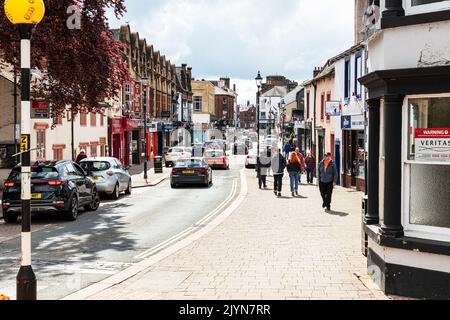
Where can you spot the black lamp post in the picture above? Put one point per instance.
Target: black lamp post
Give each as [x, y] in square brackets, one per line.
[283, 114]
[144, 82]
[258, 80]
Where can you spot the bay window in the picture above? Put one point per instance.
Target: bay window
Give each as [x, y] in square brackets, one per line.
[426, 167]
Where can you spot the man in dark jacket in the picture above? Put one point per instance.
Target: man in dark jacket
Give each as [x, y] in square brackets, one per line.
[310, 167]
[327, 179]
[278, 166]
[81, 156]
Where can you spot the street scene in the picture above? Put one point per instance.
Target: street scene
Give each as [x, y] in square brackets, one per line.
[178, 152]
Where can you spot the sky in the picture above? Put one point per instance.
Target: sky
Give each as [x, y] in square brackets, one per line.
[236, 38]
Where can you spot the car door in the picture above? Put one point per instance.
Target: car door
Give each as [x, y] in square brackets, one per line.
[86, 184]
[121, 175]
[77, 181]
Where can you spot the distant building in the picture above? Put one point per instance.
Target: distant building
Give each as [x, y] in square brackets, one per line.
[247, 117]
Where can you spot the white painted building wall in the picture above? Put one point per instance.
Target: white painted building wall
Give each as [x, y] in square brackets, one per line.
[415, 46]
[61, 135]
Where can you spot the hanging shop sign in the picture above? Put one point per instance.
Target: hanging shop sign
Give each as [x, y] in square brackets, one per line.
[432, 144]
[333, 108]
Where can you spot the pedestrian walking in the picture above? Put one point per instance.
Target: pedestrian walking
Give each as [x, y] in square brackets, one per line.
[287, 149]
[262, 169]
[82, 155]
[294, 168]
[302, 164]
[327, 180]
[310, 162]
[278, 166]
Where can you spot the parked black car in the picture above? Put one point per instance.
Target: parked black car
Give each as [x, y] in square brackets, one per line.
[61, 187]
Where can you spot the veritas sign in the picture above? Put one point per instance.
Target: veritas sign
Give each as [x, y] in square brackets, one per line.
[432, 144]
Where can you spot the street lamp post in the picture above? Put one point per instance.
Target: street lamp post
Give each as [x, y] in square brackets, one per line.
[283, 114]
[25, 15]
[258, 80]
[144, 82]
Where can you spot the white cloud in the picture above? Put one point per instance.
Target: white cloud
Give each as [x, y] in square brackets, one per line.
[236, 38]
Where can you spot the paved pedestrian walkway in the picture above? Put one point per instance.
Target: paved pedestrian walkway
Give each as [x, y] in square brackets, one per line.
[269, 248]
[137, 175]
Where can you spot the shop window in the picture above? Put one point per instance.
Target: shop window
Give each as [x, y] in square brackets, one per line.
[427, 165]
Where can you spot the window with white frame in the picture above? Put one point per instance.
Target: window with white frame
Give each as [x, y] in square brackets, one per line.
[358, 74]
[427, 165]
[424, 6]
[197, 103]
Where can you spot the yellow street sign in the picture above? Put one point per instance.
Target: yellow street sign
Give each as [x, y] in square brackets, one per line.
[24, 142]
[25, 11]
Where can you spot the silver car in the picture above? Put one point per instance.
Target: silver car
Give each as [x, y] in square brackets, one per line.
[109, 175]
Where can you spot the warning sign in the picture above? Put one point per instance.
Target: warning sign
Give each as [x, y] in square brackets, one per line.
[24, 142]
[432, 144]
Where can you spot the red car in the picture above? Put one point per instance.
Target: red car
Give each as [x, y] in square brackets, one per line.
[217, 159]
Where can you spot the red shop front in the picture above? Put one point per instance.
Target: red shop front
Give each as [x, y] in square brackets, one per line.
[121, 131]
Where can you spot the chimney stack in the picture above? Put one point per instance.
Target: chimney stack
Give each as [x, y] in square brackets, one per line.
[316, 72]
[226, 81]
[234, 87]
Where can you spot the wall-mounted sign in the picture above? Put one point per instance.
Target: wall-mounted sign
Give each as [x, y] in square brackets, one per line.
[432, 144]
[165, 114]
[333, 108]
[40, 109]
[352, 122]
[168, 127]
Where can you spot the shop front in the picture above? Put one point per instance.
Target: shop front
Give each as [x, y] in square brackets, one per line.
[353, 152]
[125, 137]
[408, 215]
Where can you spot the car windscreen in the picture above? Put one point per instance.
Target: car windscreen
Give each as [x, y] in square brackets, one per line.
[213, 154]
[193, 163]
[44, 173]
[95, 166]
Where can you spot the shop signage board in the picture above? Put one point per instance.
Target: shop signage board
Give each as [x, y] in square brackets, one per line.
[40, 109]
[333, 108]
[352, 123]
[432, 144]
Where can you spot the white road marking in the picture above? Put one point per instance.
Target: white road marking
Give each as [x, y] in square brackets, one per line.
[184, 233]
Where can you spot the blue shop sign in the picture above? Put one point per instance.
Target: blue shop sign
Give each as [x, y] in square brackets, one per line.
[346, 122]
[168, 128]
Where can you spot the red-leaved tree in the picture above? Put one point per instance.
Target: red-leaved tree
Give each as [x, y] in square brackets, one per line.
[79, 67]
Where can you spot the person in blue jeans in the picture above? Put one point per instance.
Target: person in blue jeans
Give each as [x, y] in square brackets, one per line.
[294, 168]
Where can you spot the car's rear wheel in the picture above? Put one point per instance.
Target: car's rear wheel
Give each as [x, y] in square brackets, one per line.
[10, 217]
[95, 203]
[72, 213]
[129, 188]
[116, 193]
[173, 185]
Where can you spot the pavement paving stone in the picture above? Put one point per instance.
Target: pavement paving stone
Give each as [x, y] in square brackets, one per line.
[271, 248]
